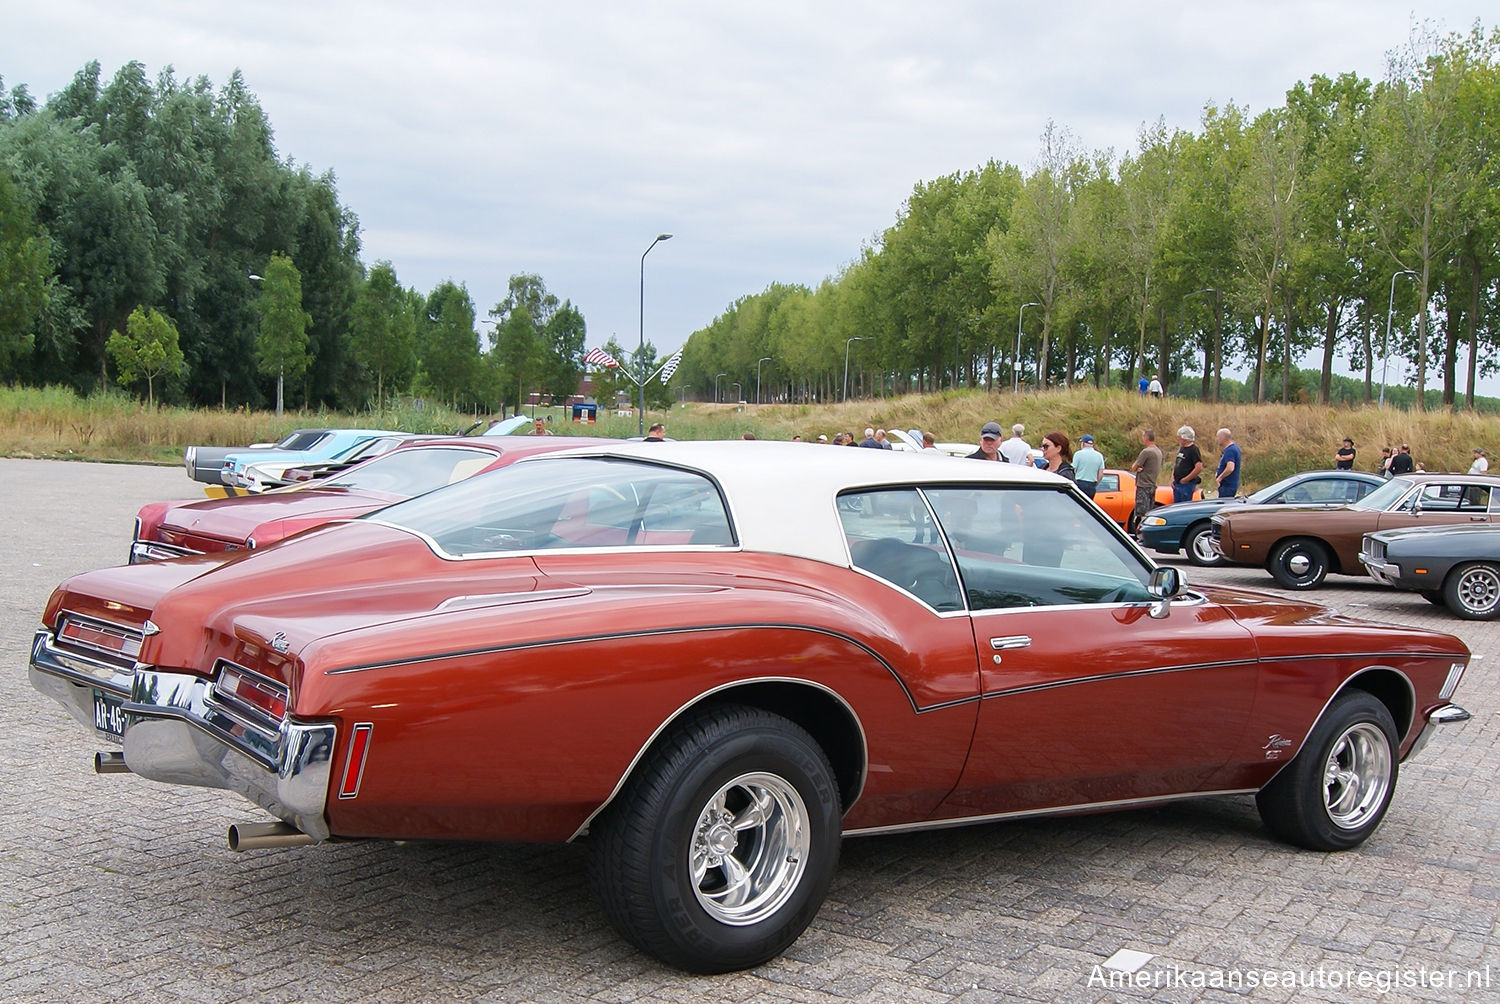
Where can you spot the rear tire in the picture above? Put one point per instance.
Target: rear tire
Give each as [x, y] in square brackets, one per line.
[1196, 544]
[1473, 591]
[1299, 564]
[1335, 793]
[719, 850]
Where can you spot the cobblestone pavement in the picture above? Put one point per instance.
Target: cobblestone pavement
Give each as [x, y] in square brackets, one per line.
[115, 886]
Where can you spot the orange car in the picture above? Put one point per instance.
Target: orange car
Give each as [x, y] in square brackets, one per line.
[1116, 494]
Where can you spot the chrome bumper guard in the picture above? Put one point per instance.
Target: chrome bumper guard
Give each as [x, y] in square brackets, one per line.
[1380, 570]
[1450, 714]
[175, 732]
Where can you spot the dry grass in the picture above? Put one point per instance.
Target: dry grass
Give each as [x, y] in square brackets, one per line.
[1276, 439]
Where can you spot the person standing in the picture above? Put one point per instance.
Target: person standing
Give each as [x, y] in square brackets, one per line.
[1016, 450]
[1230, 461]
[1480, 464]
[989, 443]
[869, 442]
[1386, 459]
[1402, 463]
[1343, 460]
[1088, 465]
[1155, 386]
[656, 434]
[1147, 468]
[1188, 468]
[1057, 451]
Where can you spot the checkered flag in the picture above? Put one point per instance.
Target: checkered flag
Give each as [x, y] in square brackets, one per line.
[671, 366]
[598, 357]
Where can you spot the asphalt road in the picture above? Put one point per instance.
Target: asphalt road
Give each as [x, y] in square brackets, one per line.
[116, 887]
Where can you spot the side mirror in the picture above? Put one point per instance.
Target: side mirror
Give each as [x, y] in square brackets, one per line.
[1166, 583]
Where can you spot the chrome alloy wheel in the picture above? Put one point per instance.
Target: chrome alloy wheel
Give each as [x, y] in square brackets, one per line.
[749, 849]
[1478, 589]
[1357, 776]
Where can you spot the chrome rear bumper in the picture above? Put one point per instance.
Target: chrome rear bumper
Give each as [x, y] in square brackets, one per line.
[178, 733]
[1449, 714]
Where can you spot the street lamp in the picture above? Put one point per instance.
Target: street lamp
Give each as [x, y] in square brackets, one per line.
[280, 367]
[641, 355]
[763, 359]
[1015, 386]
[1385, 346]
[847, 342]
[716, 386]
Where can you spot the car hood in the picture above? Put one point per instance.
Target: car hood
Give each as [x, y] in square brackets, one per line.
[237, 518]
[1200, 507]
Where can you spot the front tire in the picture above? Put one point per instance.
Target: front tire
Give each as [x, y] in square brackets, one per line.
[1336, 792]
[1299, 564]
[1198, 548]
[719, 851]
[1473, 591]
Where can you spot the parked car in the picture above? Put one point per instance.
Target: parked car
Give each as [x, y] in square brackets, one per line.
[263, 475]
[1187, 526]
[1454, 566]
[329, 445]
[668, 651]
[1116, 494]
[206, 463]
[206, 526]
[1301, 545]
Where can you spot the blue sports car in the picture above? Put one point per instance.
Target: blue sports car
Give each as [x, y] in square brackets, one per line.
[1186, 526]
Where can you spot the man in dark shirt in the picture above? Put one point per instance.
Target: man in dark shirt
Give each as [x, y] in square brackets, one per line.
[1188, 467]
[1343, 460]
[989, 443]
[1402, 462]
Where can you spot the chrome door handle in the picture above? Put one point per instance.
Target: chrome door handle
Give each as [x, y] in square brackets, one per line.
[1010, 641]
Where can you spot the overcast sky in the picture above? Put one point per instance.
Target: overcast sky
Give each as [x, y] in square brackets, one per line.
[477, 139]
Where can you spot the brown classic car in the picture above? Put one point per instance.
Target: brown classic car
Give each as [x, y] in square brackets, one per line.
[1299, 547]
[709, 662]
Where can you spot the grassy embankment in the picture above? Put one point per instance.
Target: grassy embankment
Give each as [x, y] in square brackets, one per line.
[1277, 439]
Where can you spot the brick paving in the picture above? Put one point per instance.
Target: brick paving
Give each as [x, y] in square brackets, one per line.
[115, 886]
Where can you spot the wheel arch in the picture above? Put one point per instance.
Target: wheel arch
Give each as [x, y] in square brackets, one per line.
[1388, 685]
[816, 709]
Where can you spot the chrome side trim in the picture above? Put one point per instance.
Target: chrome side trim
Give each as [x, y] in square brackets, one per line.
[1060, 810]
[1455, 674]
[1450, 714]
[864, 743]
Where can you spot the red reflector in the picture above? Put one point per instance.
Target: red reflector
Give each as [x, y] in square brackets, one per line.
[354, 764]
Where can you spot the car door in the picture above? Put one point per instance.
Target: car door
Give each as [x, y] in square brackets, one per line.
[1439, 502]
[1116, 495]
[1086, 698]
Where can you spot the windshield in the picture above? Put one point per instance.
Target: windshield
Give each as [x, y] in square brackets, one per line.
[567, 503]
[302, 439]
[1383, 497]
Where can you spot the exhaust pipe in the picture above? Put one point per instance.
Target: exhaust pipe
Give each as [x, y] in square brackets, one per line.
[110, 763]
[258, 836]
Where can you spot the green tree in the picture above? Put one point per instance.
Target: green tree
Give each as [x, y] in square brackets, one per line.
[563, 338]
[383, 338]
[281, 347]
[146, 350]
[449, 347]
[25, 265]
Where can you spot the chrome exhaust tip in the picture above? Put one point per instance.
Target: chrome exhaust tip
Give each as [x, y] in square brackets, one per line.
[258, 836]
[110, 763]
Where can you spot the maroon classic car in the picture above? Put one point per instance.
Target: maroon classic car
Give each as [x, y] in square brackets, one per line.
[711, 661]
[201, 526]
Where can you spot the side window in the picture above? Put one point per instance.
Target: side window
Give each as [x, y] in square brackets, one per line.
[891, 535]
[1020, 547]
[1108, 483]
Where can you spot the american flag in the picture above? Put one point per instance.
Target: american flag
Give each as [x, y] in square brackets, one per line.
[598, 357]
[671, 366]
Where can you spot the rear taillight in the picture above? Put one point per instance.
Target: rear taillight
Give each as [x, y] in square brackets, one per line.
[237, 685]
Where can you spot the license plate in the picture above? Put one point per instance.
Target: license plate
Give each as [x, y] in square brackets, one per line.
[109, 714]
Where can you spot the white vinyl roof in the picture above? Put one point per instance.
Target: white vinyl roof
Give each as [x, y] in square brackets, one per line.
[782, 496]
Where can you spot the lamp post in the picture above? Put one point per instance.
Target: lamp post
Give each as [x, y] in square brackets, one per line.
[847, 343]
[641, 354]
[280, 367]
[1181, 314]
[1385, 346]
[716, 386]
[1015, 386]
[763, 359]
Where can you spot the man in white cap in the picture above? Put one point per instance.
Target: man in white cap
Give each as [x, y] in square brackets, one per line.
[1088, 465]
[989, 443]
